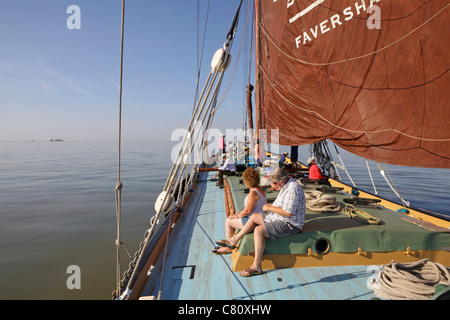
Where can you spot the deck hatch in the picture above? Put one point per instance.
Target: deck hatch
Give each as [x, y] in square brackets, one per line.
[183, 272]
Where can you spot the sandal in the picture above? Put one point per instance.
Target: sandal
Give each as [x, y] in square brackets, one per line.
[216, 251]
[226, 243]
[251, 272]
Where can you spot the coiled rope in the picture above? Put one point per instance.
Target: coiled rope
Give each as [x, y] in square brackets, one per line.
[410, 281]
[316, 201]
[360, 215]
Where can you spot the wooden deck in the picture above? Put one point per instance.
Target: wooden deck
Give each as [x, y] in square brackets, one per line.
[192, 272]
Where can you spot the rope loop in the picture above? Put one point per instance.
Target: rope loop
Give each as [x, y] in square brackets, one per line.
[318, 202]
[360, 215]
[118, 186]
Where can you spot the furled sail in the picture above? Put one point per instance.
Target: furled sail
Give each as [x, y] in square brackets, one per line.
[370, 75]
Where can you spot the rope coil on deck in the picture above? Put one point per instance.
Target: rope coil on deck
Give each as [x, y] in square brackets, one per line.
[316, 201]
[410, 281]
[360, 215]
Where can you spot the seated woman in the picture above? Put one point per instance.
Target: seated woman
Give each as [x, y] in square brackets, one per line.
[254, 202]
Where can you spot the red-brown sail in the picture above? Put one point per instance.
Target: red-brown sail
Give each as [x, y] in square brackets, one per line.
[324, 72]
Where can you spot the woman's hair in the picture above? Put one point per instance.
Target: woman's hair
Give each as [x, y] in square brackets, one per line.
[251, 177]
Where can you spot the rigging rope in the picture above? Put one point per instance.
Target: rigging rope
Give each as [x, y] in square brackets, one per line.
[219, 104]
[371, 179]
[200, 56]
[119, 185]
[383, 170]
[323, 157]
[343, 166]
[410, 281]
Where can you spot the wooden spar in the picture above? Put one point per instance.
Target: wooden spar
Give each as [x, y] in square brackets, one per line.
[257, 82]
[229, 205]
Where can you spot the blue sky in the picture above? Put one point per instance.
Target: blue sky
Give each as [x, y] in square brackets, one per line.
[62, 83]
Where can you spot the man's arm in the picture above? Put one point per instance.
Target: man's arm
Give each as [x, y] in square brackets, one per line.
[277, 210]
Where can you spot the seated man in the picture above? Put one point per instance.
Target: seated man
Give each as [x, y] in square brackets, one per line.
[287, 217]
[228, 169]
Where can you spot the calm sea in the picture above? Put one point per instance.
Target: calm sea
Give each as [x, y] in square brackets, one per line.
[57, 209]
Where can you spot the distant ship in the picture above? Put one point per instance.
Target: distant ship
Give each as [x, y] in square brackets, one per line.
[56, 140]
